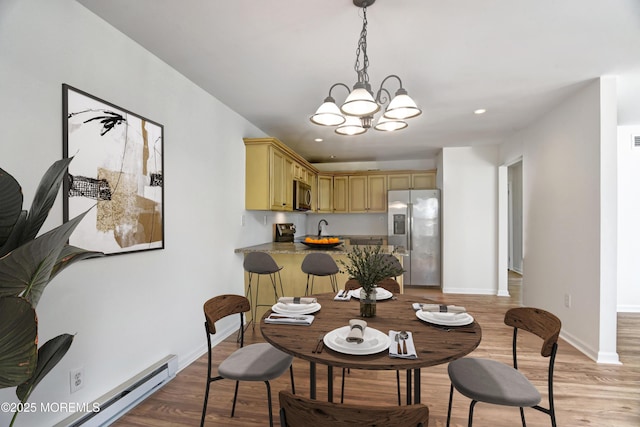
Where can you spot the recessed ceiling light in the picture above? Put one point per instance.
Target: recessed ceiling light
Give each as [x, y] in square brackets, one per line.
[480, 111]
[318, 140]
[332, 156]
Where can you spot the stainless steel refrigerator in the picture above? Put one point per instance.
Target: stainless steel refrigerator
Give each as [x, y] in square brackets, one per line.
[414, 224]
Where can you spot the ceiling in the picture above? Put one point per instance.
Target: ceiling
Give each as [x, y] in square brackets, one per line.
[273, 62]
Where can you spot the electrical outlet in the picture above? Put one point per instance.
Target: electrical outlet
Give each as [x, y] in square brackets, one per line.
[76, 378]
[242, 220]
[264, 220]
[567, 300]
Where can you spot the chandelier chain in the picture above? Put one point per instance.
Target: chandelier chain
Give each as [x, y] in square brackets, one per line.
[363, 75]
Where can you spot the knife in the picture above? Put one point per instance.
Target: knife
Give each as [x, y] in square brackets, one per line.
[287, 317]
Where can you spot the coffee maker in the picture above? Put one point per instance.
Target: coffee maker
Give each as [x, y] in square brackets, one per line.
[284, 232]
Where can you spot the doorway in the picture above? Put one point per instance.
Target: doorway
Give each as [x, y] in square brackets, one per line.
[510, 224]
[514, 177]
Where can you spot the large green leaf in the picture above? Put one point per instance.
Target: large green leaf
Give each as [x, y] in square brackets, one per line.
[49, 355]
[44, 198]
[18, 341]
[27, 270]
[70, 255]
[10, 204]
[13, 240]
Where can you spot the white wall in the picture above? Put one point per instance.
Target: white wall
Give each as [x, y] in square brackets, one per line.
[564, 178]
[127, 311]
[628, 223]
[349, 224]
[469, 220]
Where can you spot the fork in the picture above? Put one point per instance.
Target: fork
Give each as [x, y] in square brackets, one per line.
[319, 344]
[447, 329]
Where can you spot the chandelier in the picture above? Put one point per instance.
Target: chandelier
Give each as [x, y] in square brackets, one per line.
[356, 115]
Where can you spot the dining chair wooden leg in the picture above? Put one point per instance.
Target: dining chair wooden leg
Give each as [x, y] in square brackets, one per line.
[398, 385]
[342, 387]
[293, 384]
[471, 406]
[524, 423]
[450, 402]
[235, 397]
[269, 401]
[206, 400]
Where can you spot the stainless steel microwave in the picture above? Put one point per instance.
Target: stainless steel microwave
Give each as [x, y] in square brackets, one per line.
[301, 196]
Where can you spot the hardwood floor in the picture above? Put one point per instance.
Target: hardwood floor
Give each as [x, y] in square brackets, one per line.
[586, 394]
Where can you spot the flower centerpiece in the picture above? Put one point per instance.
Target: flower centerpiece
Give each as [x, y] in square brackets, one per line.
[369, 266]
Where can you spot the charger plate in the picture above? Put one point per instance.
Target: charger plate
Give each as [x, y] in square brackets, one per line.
[445, 319]
[374, 341]
[282, 308]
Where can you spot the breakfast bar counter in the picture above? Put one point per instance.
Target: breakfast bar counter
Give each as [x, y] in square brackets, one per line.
[289, 255]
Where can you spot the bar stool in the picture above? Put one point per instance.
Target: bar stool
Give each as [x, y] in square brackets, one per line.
[261, 263]
[393, 261]
[320, 264]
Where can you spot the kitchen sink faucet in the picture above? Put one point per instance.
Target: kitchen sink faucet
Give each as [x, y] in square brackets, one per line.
[320, 226]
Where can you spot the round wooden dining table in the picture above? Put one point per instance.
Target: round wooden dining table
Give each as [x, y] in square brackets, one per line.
[434, 344]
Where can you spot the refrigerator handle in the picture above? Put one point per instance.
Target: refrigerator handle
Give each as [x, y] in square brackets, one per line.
[410, 226]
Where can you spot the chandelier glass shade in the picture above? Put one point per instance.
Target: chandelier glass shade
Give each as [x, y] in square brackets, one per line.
[356, 114]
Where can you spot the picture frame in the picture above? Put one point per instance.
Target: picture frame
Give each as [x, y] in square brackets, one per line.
[117, 173]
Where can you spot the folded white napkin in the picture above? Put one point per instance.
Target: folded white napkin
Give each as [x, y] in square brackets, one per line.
[297, 300]
[440, 308]
[289, 319]
[342, 296]
[356, 332]
[393, 348]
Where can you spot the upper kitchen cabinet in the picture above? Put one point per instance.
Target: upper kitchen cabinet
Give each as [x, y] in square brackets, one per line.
[281, 184]
[325, 194]
[270, 168]
[367, 193]
[340, 194]
[422, 180]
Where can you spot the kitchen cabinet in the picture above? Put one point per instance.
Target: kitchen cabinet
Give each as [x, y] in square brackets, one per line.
[423, 181]
[270, 167]
[325, 194]
[281, 183]
[367, 193]
[340, 194]
[412, 181]
[300, 173]
[401, 181]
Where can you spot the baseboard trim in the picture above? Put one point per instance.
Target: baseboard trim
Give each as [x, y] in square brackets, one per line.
[469, 291]
[596, 356]
[628, 308]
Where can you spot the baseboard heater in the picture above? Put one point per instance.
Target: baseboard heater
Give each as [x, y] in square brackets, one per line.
[123, 398]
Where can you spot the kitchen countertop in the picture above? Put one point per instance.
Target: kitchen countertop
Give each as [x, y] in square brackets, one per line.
[294, 248]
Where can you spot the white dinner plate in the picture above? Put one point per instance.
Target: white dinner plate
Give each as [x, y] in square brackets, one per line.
[381, 294]
[445, 319]
[282, 308]
[374, 341]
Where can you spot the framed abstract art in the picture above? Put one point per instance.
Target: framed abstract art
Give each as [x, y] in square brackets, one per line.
[116, 172]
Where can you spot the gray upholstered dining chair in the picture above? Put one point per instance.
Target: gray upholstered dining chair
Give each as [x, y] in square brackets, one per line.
[490, 381]
[322, 265]
[298, 411]
[254, 362]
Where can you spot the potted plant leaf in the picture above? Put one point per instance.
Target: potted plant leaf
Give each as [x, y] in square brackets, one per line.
[369, 266]
[28, 263]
